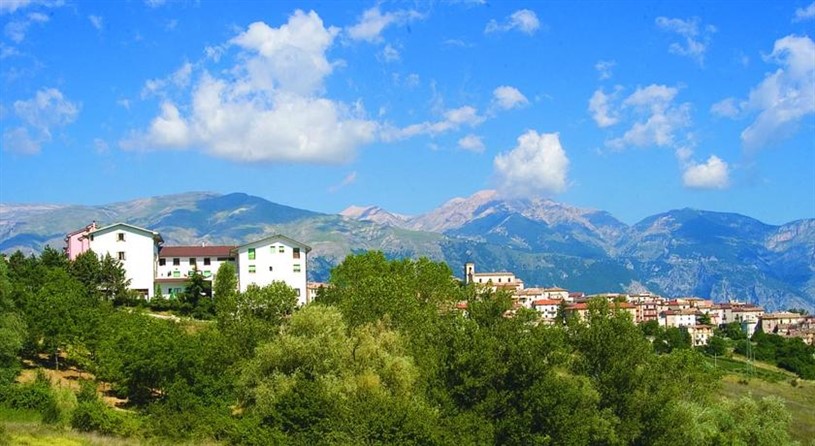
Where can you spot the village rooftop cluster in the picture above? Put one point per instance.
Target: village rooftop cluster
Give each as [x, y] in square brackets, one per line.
[154, 269]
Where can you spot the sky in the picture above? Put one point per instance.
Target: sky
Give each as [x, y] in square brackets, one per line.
[631, 107]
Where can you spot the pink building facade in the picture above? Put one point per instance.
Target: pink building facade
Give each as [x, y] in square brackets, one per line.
[78, 241]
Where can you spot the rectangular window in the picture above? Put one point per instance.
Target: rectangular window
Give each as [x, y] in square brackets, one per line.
[297, 267]
[121, 237]
[295, 253]
[176, 273]
[251, 269]
[121, 255]
[207, 273]
[162, 262]
[251, 253]
[176, 262]
[192, 261]
[206, 261]
[281, 249]
[297, 292]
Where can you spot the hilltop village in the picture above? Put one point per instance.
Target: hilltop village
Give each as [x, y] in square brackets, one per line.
[155, 269]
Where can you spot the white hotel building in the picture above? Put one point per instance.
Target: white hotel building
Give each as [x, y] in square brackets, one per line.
[275, 258]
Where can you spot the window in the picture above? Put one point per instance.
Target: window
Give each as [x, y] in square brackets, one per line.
[295, 253]
[207, 273]
[162, 262]
[251, 269]
[251, 253]
[270, 268]
[281, 249]
[176, 273]
[192, 261]
[176, 262]
[121, 237]
[499, 280]
[297, 267]
[121, 255]
[297, 292]
[206, 261]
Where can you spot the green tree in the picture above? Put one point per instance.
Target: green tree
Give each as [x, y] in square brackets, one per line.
[226, 281]
[113, 281]
[87, 270]
[716, 346]
[12, 325]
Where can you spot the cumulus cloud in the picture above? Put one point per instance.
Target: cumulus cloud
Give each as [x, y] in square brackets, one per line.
[697, 37]
[270, 107]
[604, 68]
[47, 110]
[784, 97]
[601, 110]
[807, 13]
[471, 143]
[373, 22]
[507, 97]
[656, 117]
[537, 165]
[523, 20]
[179, 79]
[713, 174]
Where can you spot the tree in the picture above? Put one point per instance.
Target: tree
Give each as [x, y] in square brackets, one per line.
[226, 281]
[87, 270]
[12, 326]
[704, 319]
[716, 346]
[113, 281]
[196, 298]
[733, 331]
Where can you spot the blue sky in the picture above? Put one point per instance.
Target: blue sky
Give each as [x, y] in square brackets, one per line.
[634, 108]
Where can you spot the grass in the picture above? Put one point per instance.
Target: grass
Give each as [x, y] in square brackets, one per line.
[762, 380]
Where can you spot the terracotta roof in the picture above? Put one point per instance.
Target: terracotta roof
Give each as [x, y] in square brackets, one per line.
[196, 251]
[499, 273]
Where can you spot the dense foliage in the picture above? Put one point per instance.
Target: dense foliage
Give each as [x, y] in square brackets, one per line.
[386, 355]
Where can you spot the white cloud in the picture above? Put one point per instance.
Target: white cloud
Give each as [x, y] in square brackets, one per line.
[48, 109]
[472, 143]
[390, 54]
[270, 107]
[154, 3]
[10, 6]
[657, 118]
[601, 110]
[7, 51]
[179, 79]
[537, 165]
[452, 119]
[713, 174]
[784, 97]
[604, 68]
[507, 97]
[697, 39]
[97, 21]
[349, 179]
[523, 20]
[373, 22]
[16, 30]
[807, 13]
[18, 140]
[727, 108]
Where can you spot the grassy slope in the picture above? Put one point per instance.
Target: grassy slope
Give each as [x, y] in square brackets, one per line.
[767, 380]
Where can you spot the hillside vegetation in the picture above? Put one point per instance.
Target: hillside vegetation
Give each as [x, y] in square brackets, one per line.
[384, 356]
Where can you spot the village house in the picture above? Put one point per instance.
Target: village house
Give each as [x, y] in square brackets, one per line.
[136, 248]
[176, 264]
[678, 318]
[699, 334]
[274, 258]
[313, 289]
[494, 281]
[547, 308]
[770, 322]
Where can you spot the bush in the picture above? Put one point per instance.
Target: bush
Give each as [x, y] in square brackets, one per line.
[37, 395]
[94, 416]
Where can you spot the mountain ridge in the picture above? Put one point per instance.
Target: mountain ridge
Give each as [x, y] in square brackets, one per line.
[677, 252]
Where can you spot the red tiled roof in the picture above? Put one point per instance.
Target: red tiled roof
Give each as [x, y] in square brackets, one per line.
[196, 251]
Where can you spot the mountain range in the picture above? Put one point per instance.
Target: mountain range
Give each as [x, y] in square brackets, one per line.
[684, 252]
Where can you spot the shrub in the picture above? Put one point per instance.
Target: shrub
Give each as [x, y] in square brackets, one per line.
[94, 416]
[37, 395]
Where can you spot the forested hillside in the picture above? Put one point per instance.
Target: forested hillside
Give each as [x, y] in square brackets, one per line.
[386, 355]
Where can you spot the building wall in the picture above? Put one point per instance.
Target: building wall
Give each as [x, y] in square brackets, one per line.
[270, 264]
[77, 244]
[184, 267]
[140, 254]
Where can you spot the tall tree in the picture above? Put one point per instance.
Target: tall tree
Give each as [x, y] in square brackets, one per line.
[113, 280]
